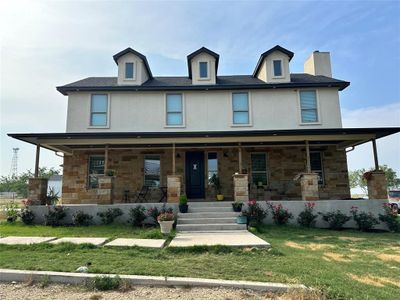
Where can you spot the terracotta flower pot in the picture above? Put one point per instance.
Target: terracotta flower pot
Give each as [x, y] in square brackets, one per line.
[166, 226]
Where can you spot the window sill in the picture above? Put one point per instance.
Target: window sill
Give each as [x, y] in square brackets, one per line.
[241, 125]
[310, 123]
[204, 79]
[174, 126]
[278, 77]
[99, 127]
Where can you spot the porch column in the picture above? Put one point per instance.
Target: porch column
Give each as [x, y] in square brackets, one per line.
[37, 187]
[37, 161]
[240, 159]
[173, 159]
[174, 188]
[105, 159]
[240, 187]
[309, 180]
[105, 190]
[376, 180]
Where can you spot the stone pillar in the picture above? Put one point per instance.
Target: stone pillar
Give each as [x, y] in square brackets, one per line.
[377, 186]
[174, 188]
[37, 190]
[105, 190]
[309, 186]
[240, 187]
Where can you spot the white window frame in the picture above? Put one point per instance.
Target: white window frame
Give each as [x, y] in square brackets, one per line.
[273, 69]
[134, 70]
[250, 124]
[266, 167]
[300, 119]
[90, 126]
[144, 175]
[166, 125]
[321, 153]
[208, 70]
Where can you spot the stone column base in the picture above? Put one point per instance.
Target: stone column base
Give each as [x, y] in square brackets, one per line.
[240, 187]
[37, 190]
[309, 186]
[174, 188]
[105, 190]
[377, 185]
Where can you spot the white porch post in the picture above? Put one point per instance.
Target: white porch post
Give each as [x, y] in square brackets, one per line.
[173, 159]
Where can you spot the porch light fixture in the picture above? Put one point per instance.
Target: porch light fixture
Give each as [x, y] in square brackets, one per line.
[225, 154]
[178, 155]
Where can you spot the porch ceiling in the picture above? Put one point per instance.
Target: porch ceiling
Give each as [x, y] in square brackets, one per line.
[341, 137]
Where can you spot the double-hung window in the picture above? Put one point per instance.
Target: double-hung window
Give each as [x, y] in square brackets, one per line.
[174, 110]
[98, 110]
[240, 107]
[212, 164]
[129, 70]
[96, 167]
[309, 107]
[277, 68]
[152, 170]
[316, 165]
[259, 169]
[203, 68]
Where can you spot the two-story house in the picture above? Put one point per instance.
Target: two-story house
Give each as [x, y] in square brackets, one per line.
[174, 133]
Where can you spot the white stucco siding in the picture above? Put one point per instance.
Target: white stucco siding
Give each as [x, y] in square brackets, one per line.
[203, 111]
[266, 72]
[140, 72]
[203, 57]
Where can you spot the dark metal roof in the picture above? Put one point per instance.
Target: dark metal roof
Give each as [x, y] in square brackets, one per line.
[197, 52]
[268, 52]
[301, 80]
[140, 55]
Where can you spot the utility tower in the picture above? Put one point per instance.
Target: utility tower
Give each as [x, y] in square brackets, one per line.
[14, 163]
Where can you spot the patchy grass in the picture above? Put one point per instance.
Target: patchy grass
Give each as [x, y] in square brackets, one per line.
[108, 231]
[342, 264]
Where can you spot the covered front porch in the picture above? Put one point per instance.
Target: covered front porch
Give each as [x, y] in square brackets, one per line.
[106, 168]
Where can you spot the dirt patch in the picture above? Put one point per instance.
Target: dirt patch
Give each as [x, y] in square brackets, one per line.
[321, 238]
[352, 239]
[329, 256]
[314, 246]
[369, 280]
[294, 245]
[387, 257]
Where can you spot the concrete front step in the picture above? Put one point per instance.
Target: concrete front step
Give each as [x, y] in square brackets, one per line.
[209, 227]
[213, 214]
[183, 220]
[210, 209]
[211, 204]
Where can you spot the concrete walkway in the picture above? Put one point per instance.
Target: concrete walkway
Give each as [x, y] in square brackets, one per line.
[148, 243]
[81, 240]
[226, 238]
[25, 240]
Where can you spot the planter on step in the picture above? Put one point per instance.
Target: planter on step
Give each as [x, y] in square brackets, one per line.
[237, 206]
[166, 226]
[220, 197]
[241, 220]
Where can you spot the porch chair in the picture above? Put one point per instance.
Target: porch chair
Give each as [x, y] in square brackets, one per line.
[142, 194]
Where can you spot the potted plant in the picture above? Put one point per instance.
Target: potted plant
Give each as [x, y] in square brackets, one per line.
[183, 206]
[241, 219]
[166, 221]
[110, 172]
[237, 206]
[214, 181]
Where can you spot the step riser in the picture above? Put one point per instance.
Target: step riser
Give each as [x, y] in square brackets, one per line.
[210, 227]
[210, 204]
[210, 209]
[208, 215]
[207, 221]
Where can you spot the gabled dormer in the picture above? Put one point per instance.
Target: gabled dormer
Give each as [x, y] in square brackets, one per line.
[273, 65]
[133, 68]
[203, 66]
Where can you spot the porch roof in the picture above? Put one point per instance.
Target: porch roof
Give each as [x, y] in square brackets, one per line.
[341, 137]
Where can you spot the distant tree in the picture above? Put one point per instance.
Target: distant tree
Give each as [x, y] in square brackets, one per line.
[357, 179]
[19, 184]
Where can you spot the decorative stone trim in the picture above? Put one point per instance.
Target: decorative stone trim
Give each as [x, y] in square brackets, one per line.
[240, 187]
[309, 186]
[174, 188]
[37, 190]
[377, 185]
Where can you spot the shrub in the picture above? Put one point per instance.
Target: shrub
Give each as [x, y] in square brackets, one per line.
[11, 211]
[280, 215]
[307, 218]
[254, 213]
[335, 219]
[365, 221]
[137, 215]
[390, 218]
[153, 212]
[108, 216]
[106, 283]
[183, 200]
[80, 218]
[166, 216]
[52, 197]
[27, 216]
[55, 215]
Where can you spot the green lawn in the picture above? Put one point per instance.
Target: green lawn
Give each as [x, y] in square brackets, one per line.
[344, 265]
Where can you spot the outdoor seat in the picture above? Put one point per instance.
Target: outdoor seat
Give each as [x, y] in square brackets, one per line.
[142, 194]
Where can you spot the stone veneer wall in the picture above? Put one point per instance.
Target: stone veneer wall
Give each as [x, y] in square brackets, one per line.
[283, 165]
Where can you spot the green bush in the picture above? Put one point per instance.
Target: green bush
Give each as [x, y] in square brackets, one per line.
[27, 216]
[80, 218]
[254, 212]
[307, 217]
[390, 218]
[365, 221]
[280, 215]
[137, 216]
[183, 199]
[335, 219]
[55, 215]
[108, 216]
[11, 211]
[106, 283]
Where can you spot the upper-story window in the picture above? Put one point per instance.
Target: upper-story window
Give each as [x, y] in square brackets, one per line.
[277, 68]
[174, 109]
[98, 110]
[129, 70]
[240, 107]
[203, 67]
[308, 107]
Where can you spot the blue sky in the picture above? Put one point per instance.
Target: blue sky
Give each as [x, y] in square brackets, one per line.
[50, 43]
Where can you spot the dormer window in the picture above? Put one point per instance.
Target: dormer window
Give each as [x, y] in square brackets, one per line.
[129, 70]
[277, 64]
[203, 67]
